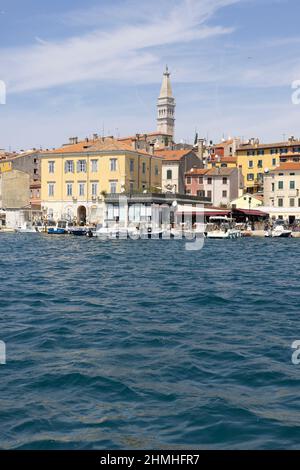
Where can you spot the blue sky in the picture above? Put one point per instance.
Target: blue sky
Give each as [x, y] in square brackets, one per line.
[72, 67]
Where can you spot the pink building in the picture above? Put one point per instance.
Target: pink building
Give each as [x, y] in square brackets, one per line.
[220, 185]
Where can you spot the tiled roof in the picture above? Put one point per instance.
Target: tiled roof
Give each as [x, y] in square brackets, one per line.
[228, 159]
[221, 171]
[266, 146]
[172, 155]
[102, 145]
[288, 166]
[197, 171]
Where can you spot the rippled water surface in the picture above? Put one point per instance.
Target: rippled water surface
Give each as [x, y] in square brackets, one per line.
[142, 344]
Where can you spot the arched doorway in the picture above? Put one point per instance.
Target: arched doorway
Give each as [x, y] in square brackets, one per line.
[81, 215]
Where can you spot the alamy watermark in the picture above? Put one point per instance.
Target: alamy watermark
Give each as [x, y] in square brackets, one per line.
[296, 353]
[2, 353]
[296, 93]
[138, 221]
[2, 92]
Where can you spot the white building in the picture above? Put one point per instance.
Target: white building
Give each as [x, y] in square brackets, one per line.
[282, 192]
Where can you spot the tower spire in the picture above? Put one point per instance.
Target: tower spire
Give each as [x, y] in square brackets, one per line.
[166, 106]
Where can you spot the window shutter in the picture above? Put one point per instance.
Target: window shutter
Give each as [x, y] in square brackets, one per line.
[78, 166]
[66, 167]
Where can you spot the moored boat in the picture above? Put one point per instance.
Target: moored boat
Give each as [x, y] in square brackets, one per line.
[222, 228]
[26, 228]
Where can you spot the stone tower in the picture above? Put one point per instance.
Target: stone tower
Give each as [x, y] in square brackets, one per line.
[166, 107]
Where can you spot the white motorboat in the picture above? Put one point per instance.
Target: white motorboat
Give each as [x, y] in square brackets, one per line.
[222, 228]
[279, 231]
[26, 228]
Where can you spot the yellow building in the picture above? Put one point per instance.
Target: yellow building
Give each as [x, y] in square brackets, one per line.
[247, 201]
[257, 159]
[75, 178]
[5, 166]
[222, 162]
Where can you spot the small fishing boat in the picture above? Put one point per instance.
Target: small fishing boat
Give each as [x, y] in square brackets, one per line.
[7, 230]
[61, 228]
[26, 228]
[78, 231]
[279, 230]
[222, 228]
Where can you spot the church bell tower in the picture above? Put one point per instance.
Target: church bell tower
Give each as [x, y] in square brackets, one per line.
[166, 107]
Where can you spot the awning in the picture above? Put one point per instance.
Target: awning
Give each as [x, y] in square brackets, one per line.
[205, 213]
[250, 212]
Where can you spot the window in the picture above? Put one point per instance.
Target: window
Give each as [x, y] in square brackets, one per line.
[94, 165]
[169, 176]
[280, 202]
[224, 194]
[299, 202]
[250, 164]
[81, 189]
[280, 184]
[260, 163]
[131, 165]
[200, 180]
[69, 189]
[250, 177]
[292, 202]
[51, 167]
[113, 164]
[143, 168]
[156, 170]
[94, 188]
[200, 193]
[274, 161]
[131, 187]
[50, 189]
[113, 187]
[260, 177]
[260, 152]
[251, 152]
[69, 166]
[273, 187]
[209, 194]
[81, 166]
[225, 180]
[292, 184]
[209, 180]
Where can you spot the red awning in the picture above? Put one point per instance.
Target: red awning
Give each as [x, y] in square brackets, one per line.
[250, 212]
[205, 214]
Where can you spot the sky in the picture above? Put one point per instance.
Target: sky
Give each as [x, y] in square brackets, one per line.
[74, 68]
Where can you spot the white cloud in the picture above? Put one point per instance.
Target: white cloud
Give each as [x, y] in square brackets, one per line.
[127, 51]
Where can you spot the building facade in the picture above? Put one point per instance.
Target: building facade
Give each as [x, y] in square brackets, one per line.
[175, 164]
[257, 159]
[219, 185]
[77, 177]
[282, 192]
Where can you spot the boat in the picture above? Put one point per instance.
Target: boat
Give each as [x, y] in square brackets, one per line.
[6, 230]
[61, 228]
[222, 228]
[279, 230]
[78, 231]
[26, 228]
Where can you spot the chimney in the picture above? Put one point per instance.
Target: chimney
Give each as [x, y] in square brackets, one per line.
[95, 136]
[151, 147]
[201, 148]
[73, 140]
[134, 144]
